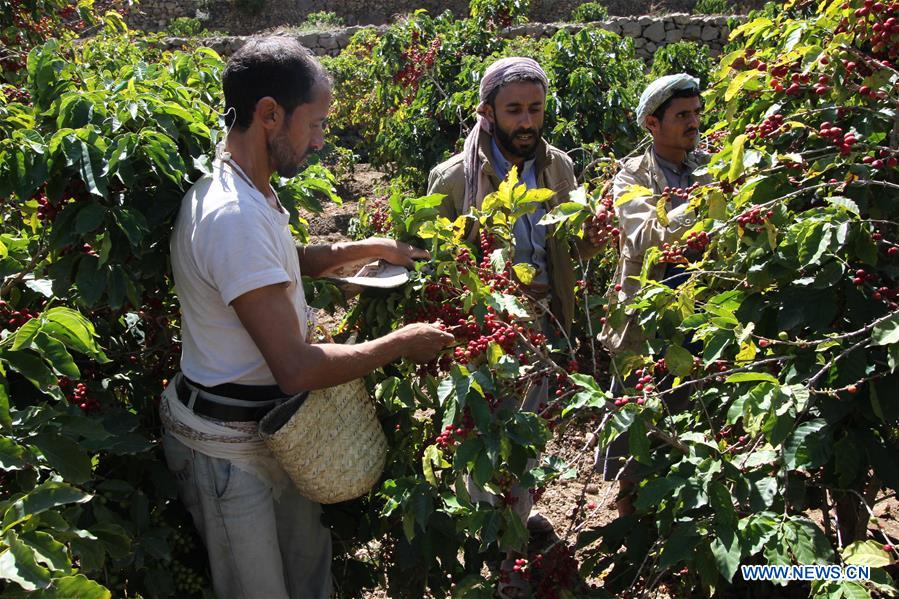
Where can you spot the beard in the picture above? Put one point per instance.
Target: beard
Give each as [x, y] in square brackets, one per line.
[506, 140]
[286, 161]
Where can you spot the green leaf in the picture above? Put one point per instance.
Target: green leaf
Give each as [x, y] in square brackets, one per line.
[12, 455]
[639, 441]
[65, 456]
[56, 354]
[679, 546]
[886, 332]
[18, 563]
[803, 448]
[656, 490]
[5, 418]
[78, 586]
[74, 330]
[45, 496]
[746, 377]
[33, 368]
[717, 205]
[726, 549]
[866, 553]
[89, 218]
[48, 551]
[679, 360]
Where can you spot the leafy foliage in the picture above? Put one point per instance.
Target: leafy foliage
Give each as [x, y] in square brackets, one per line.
[712, 7]
[682, 57]
[589, 12]
[407, 98]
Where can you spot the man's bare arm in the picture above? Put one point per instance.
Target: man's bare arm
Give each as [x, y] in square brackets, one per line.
[270, 319]
[318, 259]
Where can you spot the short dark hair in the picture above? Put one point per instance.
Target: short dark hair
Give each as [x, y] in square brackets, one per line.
[275, 66]
[515, 78]
[691, 92]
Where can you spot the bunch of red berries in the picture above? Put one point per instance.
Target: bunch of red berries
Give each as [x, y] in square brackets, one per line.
[455, 434]
[379, 217]
[698, 241]
[754, 217]
[45, 210]
[673, 253]
[608, 231]
[770, 127]
[877, 24]
[13, 319]
[836, 136]
[887, 159]
[76, 394]
[557, 571]
[16, 94]
[416, 63]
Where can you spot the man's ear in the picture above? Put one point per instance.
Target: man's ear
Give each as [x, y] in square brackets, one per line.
[268, 112]
[486, 111]
[652, 123]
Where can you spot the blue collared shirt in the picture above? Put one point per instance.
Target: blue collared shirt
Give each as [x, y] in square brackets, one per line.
[530, 238]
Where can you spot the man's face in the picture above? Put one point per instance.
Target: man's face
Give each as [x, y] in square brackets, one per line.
[679, 127]
[301, 132]
[517, 117]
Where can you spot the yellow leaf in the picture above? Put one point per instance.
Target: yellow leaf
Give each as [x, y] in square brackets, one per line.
[4, 252]
[525, 272]
[717, 205]
[537, 195]
[661, 212]
[634, 192]
[736, 163]
[772, 234]
[747, 353]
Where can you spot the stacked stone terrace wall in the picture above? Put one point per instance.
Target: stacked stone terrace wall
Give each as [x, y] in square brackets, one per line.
[648, 33]
[229, 16]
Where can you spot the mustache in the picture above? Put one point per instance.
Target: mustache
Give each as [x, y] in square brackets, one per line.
[524, 132]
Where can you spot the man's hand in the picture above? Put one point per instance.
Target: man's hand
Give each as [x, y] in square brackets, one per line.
[398, 252]
[422, 342]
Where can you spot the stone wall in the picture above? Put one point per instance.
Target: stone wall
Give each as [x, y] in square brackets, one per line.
[648, 33]
[228, 16]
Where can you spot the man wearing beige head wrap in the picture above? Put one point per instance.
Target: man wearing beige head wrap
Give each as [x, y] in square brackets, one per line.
[670, 109]
[509, 133]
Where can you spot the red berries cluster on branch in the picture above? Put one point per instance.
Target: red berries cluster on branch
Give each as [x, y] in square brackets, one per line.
[754, 217]
[416, 63]
[607, 231]
[453, 434]
[844, 141]
[379, 217]
[877, 24]
[673, 253]
[886, 159]
[12, 319]
[770, 127]
[698, 241]
[76, 394]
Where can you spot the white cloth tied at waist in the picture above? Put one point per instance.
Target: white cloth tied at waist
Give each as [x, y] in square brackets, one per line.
[242, 444]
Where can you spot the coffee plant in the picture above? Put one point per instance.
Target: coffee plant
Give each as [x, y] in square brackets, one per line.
[589, 12]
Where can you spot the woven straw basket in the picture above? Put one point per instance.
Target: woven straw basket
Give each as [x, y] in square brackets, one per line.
[331, 445]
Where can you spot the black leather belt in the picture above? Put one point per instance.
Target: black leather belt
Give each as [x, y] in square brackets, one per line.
[251, 402]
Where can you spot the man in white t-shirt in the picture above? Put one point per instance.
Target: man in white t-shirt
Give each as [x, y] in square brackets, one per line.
[244, 324]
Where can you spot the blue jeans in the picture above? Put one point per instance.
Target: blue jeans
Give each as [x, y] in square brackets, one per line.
[259, 547]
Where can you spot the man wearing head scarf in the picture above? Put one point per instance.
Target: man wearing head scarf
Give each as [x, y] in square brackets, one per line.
[509, 132]
[670, 109]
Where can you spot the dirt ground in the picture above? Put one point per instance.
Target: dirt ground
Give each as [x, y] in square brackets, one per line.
[563, 497]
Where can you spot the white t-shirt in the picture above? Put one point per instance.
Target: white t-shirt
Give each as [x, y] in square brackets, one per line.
[228, 240]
